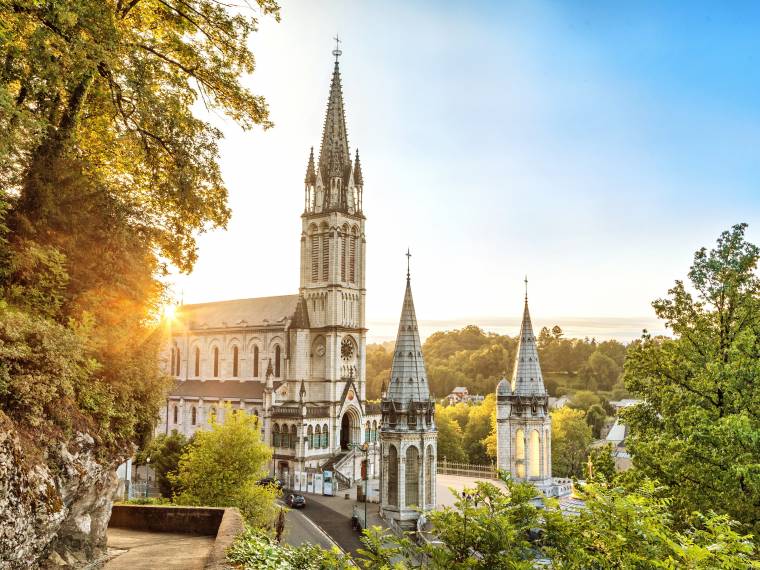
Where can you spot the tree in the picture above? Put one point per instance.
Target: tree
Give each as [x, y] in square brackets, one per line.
[571, 437]
[479, 426]
[584, 399]
[601, 464]
[698, 428]
[595, 418]
[222, 466]
[164, 453]
[449, 436]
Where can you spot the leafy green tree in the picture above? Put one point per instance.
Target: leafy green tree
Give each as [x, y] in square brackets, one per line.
[221, 467]
[601, 464]
[571, 437]
[595, 418]
[450, 436]
[584, 399]
[479, 426]
[622, 529]
[164, 453]
[698, 431]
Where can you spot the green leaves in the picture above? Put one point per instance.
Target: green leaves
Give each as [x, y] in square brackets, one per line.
[698, 429]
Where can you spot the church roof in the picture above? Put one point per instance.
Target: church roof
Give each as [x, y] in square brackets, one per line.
[527, 379]
[217, 390]
[260, 311]
[408, 377]
[334, 157]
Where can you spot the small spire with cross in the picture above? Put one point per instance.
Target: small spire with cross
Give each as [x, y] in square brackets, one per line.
[526, 288]
[408, 258]
[337, 52]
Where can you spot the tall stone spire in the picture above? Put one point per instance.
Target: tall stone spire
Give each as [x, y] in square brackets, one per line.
[311, 175]
[408, 377]
[358, 178]
[334, 157]
[527, 379]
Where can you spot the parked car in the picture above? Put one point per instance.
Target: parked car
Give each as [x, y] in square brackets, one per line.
[270, 481]
[295, 501]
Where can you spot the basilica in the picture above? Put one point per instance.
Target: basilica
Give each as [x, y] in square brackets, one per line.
[296, 361]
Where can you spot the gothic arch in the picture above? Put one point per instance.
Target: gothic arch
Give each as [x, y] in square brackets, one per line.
[534, 454]
[412, 477]
[392, 475]
[520, 453]
[429, 467]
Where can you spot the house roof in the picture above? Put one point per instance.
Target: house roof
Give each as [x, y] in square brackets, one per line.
[217, 390]
[259, 311]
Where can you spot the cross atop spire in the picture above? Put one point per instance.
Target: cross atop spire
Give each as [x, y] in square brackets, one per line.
[337, 52]
[408, 258]
[526, 288]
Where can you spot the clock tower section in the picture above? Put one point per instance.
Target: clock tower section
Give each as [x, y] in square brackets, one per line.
[333, 258]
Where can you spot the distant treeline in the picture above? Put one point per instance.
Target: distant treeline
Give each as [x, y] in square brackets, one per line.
[477, 359]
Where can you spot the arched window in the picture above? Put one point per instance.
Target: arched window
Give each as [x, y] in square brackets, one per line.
[317, 438]
[276, 436]
[412, 476]
[285, 437]
[234, 361]
[325, 253]
[193, 416]
[176, 413]
[197, 361]
[520, 452]
[344, 239]
[255, 361]
[392, 475]
[176, 368]
[314, 254]
[534, 457]
[171, 365]
[352, 257]
[277, 361]
[325, 438]
[429, 466]
[216, 362]
[310, 438]
[367, 432]
[374, 430]
[293, 436]
[213, 413]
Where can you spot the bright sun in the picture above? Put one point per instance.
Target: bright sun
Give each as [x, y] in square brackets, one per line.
[169, 311]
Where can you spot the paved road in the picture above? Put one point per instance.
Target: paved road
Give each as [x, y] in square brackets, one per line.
[299, 529]
[335, 524]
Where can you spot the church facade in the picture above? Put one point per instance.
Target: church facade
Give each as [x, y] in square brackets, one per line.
[297, 362]
[523, 423]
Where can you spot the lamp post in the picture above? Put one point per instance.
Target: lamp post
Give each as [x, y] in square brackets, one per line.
[147, 467]
[364, 448]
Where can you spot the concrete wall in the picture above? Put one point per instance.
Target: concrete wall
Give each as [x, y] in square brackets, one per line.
[203, 521]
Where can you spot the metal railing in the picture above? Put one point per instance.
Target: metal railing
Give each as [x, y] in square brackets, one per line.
[487, 471]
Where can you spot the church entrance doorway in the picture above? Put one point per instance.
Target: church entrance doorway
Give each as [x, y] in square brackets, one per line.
[348, 430]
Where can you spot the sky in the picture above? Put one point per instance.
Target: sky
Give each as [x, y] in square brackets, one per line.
[592, 146]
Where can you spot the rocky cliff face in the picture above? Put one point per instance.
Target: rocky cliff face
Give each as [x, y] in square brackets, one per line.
[54, 510]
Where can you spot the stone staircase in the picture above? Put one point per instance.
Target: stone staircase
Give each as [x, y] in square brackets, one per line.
[339, 464]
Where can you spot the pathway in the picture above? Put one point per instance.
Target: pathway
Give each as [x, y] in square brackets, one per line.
[142, 550]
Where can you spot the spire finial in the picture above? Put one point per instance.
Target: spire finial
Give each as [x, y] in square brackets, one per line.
[337, 52]
[526, 288]
[408, 258]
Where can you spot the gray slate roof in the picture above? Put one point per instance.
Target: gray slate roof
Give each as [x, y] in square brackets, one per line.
[527, 379]
[408, 376]
[239, 312]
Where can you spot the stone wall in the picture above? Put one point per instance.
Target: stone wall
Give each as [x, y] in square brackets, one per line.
[54, 509]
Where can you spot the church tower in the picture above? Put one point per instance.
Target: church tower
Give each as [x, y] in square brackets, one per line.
[408, 437]
[523, 424]
[333, 259]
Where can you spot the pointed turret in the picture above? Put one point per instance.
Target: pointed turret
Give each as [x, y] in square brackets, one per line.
[311, 174]
[358, 179]
[334, 156]
[408, 377]
[526, 377]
